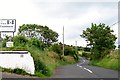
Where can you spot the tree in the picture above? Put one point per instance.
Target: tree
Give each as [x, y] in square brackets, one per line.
[43, 33]
[100, 38]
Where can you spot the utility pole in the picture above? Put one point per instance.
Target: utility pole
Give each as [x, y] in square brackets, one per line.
[63, 40]
[76, 45]
[76, 50]
[0, 38]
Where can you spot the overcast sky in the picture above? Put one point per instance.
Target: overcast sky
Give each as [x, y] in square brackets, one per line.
[74, 15]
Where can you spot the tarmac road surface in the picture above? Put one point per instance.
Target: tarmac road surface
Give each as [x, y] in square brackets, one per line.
[83, 70]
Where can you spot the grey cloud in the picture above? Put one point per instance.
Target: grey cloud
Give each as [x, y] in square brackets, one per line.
[69, 9]
[73, 10]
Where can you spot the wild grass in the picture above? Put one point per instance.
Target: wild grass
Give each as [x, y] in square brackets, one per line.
[110, 61]
[16, 70]
[45, 61]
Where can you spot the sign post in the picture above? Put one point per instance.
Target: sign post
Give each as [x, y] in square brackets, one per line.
[7, 25]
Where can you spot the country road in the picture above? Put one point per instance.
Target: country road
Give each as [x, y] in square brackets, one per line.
[79, 70]
[83, 70]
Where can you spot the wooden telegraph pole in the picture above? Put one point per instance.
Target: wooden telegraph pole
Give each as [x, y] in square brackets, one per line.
[76, 45]
[63, 40]
[0, 40]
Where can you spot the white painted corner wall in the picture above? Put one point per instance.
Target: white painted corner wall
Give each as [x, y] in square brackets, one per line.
[22, 61]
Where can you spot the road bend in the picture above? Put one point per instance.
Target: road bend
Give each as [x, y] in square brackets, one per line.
[79, 70]
[83, 70]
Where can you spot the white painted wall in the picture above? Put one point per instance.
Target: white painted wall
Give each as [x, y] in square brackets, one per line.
[22, 61]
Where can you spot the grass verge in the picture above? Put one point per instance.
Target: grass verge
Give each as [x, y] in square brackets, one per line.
[110, 61]
[16, 70]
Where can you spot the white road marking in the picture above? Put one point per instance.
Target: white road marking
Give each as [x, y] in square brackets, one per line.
[77, 65]
[88, 70]
[80, 66]
[84, 67]
[83, 61]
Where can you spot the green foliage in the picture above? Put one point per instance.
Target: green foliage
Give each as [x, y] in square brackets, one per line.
[46, 61]
[42, 33]
[86, 54]
[57, 48]
[20, 41]
[40, 67]
[68, 59]
[38, 74]
[16, 70]
[71, 51]
[87, 49]
[100, 38]
[4, 43]
[36, 39]
[111, 61]
[68, 50]
[107, 63]
[37, 43]
[80, 48]
[19, 71]
[5, 40]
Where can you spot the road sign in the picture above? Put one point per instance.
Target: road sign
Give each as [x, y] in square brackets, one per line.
[7, 25]
[9, 44]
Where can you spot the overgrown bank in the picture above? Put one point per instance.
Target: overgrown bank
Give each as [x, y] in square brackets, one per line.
[45, 58]
[110, 61]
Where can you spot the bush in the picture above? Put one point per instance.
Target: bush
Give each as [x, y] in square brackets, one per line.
[20, 41]
[71, 51]
[57, 48]
[87, 49]
[37, 43]
[86, 55]
[110, 61]
[16, 70]
[68, 51]
[4, 43]
[69, 59]
[19, 71]
[40, 67]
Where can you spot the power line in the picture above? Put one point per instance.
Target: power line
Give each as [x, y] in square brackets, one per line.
[114, 23]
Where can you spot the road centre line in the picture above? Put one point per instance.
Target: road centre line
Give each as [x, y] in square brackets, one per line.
[79, 65]
[88, 70]
[83, 61]
[84, 67]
